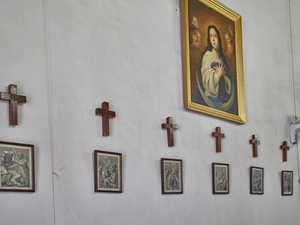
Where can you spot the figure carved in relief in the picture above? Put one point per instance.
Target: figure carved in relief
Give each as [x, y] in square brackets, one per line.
[108, 175]
[14, 169]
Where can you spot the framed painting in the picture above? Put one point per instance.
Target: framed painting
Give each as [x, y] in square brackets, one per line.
[17, 167]
[171, 176]
[213, 79]
[256, 180]
[286, 182]
[220, 178]
[107, 171]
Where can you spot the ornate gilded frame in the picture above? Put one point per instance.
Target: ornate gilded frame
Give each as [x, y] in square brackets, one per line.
[196, 17]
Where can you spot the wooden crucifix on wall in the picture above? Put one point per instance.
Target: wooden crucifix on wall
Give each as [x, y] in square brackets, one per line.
[218, 136]
[13, 98]
[254, 141]
[170, 127]
[106, 114]
[284, 148]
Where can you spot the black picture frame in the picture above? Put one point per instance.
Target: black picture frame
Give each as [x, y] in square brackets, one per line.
[171, 176]
[286, 182]
[256, 180]
[17, 167]
[220, 178]
[107, 171]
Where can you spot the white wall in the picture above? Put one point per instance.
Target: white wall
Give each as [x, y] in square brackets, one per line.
[69, 56]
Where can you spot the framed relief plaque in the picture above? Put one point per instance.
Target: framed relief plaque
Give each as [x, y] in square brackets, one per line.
[220, 178]
[256, 180]
[171, 176]
[286, 182]
[107, 171]
[17, 167]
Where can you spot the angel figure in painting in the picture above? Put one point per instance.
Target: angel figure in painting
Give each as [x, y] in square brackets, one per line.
[195, 39]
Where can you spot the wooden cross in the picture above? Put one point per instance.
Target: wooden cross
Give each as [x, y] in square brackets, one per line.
[254, 141]
[218, 136]
[170, 127]
[106, 114]
[13, 99]
[284, 148]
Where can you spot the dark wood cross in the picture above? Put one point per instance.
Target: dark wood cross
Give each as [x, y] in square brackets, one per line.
[106, 114]
[284, 148]
[218, 136]
[254, 141]
[13, 99]
[170, 127]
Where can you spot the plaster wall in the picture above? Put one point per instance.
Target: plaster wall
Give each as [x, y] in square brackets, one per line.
[68, 57]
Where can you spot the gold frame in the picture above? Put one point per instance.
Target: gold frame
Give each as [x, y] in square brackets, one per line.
[205, 13]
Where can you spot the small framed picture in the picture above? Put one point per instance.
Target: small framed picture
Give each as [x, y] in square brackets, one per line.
[171, 176]
[286, 182]
[107, 171]
[220, 178]
[256, 180]
[17, 167]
